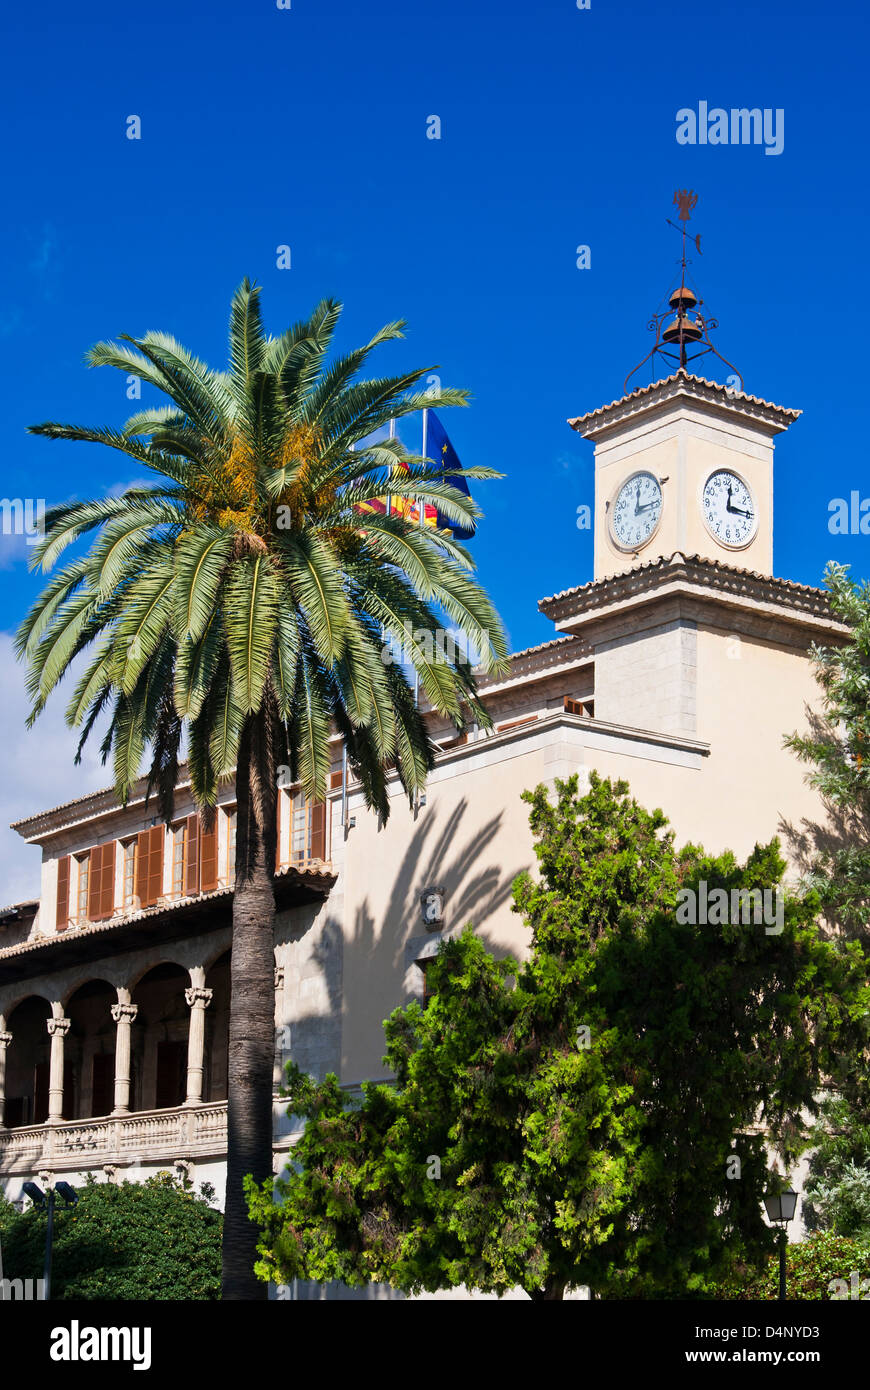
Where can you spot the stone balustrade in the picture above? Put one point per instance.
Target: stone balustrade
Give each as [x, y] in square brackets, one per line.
[185, 1131]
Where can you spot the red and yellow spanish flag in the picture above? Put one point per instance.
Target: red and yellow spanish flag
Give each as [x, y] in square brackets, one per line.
[401, 506]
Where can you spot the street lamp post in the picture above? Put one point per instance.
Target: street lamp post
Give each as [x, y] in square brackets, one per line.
[780, 1208]
[41, 1199]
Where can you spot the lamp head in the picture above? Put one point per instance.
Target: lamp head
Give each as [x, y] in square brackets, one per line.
[781, 1206]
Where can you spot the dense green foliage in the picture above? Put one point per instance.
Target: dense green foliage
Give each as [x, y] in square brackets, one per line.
[836, 749]
[810, 1266]
[837, 1190]
[836, 856]
[150, 1240]
[589, 1115]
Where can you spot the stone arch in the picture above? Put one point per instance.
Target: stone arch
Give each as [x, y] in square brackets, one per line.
[10, 1003]
[160, 1035]
[211, 957]
[155, 962]
[89, 1048]
[217, 1026]
[27, 1061]
[92, 974]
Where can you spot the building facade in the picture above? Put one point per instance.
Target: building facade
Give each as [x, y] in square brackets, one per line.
[679, 667]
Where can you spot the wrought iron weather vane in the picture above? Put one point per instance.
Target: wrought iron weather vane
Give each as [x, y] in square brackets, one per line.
[687, 336]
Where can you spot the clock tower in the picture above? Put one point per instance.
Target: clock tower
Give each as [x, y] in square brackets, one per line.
[683, 612]
[684, 464]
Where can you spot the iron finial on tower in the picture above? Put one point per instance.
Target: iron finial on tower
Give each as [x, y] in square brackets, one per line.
[687, 336]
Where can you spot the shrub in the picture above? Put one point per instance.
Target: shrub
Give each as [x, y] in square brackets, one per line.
[810, 1267]
[152, 1240]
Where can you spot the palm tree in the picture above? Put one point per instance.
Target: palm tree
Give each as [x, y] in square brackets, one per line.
[244, 601]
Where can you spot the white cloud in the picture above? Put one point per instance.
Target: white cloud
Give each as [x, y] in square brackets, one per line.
[37, 771]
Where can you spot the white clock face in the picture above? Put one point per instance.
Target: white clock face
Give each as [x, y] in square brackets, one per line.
[636, 511]
[728, 508]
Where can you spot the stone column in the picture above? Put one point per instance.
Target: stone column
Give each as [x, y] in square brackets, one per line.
[198, 1000]
[57, 1029]
[5, 1040]
[123, 1013]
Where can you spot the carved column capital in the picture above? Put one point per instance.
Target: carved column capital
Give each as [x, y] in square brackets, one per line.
[279, 976]
[5, 1039]
[58, 1027]
[197, 996]
[127, 1011]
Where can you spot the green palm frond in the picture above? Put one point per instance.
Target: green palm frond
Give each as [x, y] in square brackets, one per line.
[246, 585]
[247, 339]
[201, 557]
[250, 614]
[195, 667]
[315, 582]
[147, 612]
[312, 724]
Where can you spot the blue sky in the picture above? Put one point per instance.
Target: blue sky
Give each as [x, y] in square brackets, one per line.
[307, 127]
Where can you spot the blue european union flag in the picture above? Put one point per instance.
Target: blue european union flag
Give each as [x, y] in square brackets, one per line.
[442, 452]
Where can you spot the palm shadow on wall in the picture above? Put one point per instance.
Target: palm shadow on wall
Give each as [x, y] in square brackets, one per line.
[438, 852]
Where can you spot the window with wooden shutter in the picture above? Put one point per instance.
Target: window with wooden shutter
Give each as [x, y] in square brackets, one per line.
[61, 919]
[318, 830]
[129, 872]
[191, 855]
[231, 846]
[84, 870]
[149, 865]
[208, 858]
[101, 882]
[179, 840]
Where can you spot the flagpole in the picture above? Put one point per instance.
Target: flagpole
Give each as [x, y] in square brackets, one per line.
[425, 446]
[389, 498]
[420, 505]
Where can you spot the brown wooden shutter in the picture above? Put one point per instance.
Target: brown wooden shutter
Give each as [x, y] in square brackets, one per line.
[155, 863]
[140, 889]
[61, 919]
[191, 855]
[335, 780]
[318, 830]
[101, 882]
[94, 881]
[149, 865]
[107, 899]
[208, 856]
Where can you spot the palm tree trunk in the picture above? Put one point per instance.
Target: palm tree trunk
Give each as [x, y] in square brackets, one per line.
[252, 1007]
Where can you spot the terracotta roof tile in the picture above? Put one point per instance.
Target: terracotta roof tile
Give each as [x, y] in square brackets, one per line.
[723, 391]
[677, 556]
